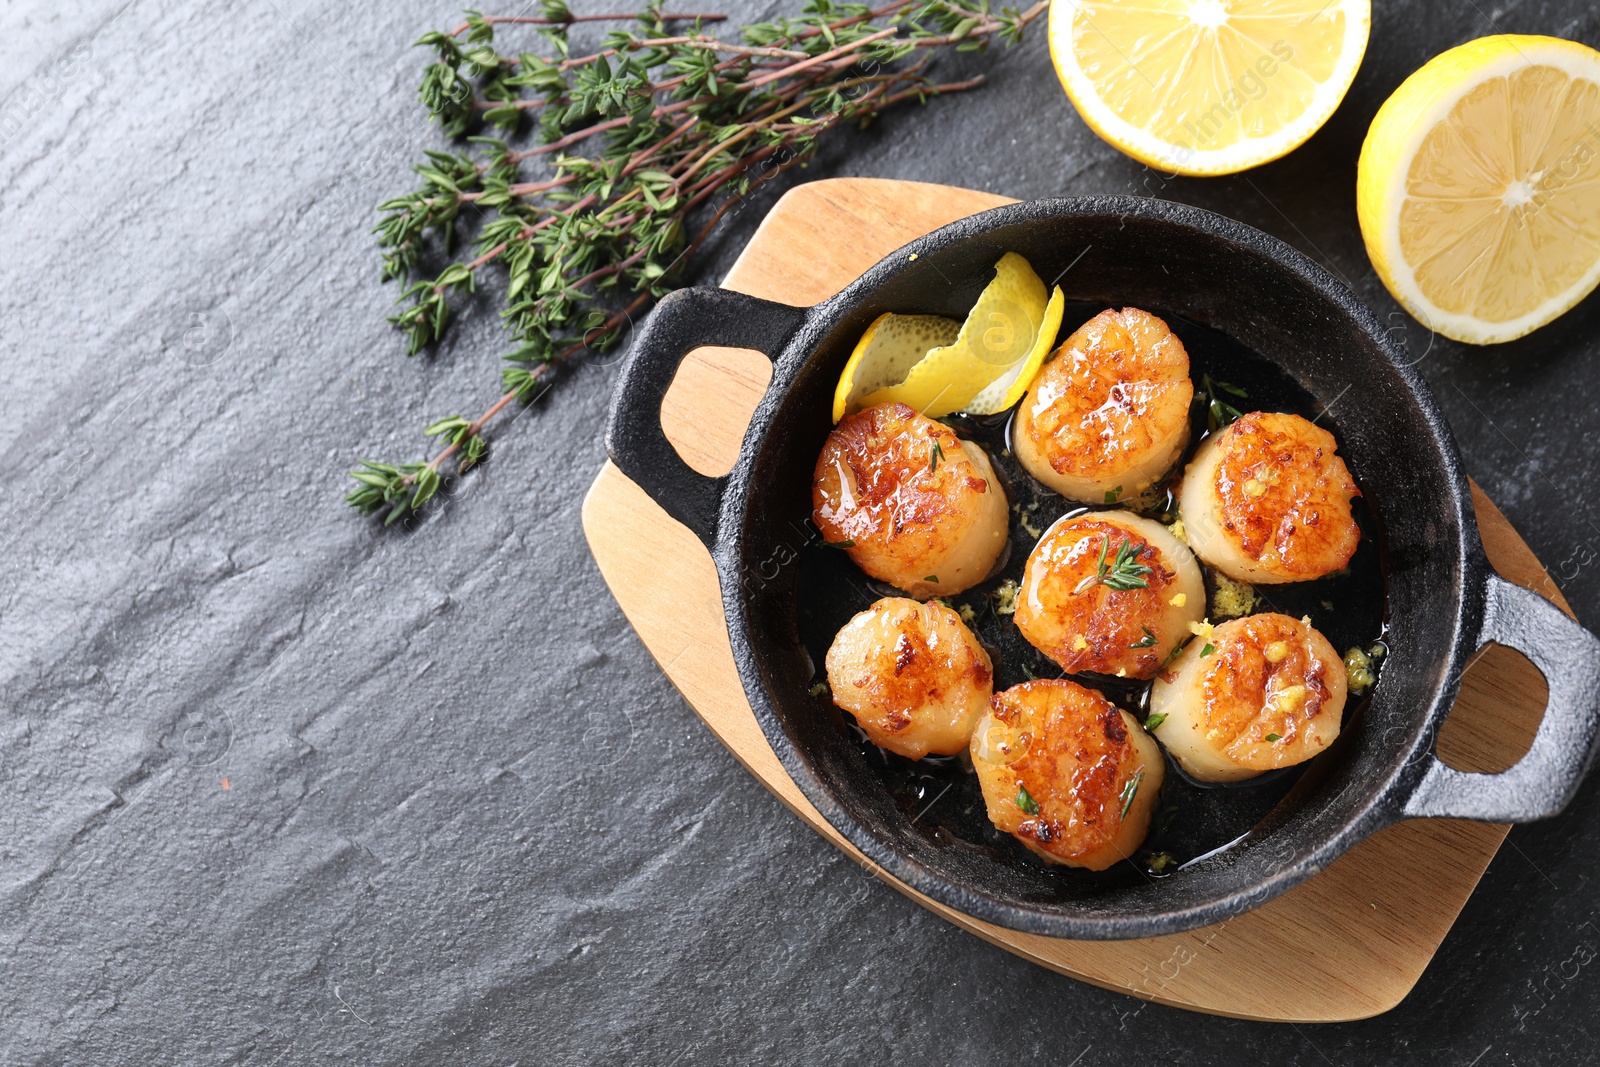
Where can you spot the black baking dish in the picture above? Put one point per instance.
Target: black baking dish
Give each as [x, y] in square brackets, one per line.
[1444, 601]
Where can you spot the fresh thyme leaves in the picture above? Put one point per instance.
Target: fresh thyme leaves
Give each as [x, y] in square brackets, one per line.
[934, 458]
[1026, 802]
[1147, 641]
[1274, 738]
[1155, 720]
[647, 141]
[1208, 649]
[1130, 791]
[1113, 495]
[1219, 412]
[391, 485]
[932, 579]
[1124, 572]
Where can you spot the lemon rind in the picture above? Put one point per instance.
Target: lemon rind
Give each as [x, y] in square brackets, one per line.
[1027, 368]
[949, 398]
[846, 387]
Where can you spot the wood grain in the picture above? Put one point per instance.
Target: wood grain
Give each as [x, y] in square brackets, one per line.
[1348, 944]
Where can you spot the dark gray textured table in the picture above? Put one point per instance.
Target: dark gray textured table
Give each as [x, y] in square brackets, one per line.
[277, 787]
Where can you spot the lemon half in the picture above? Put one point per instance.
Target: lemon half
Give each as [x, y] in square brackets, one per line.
[1478, 188]
[1207, 86]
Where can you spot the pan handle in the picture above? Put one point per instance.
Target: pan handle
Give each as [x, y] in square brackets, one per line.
[682, 321]
[1545, 780]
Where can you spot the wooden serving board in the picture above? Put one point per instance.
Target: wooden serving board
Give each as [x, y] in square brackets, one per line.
[1347, 944]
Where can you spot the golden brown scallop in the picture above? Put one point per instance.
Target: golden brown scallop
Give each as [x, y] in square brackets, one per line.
[1108, 414]
[1267, 500]
[1067, 773]
[913, 504]
[1248, 696]
[1109, 592]
[913, 675]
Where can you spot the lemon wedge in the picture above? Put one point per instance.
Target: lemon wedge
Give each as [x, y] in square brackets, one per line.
[1478, 189]
[1007, 389]
[1204, 87]
[892, 345]
[998, 338]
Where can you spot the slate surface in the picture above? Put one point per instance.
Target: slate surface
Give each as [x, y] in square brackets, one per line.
[279, 788]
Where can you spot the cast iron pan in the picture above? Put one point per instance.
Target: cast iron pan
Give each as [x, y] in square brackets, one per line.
[1226, 287]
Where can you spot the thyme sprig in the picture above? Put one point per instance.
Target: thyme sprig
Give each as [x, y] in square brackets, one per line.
[646, 143]
[1122, 572]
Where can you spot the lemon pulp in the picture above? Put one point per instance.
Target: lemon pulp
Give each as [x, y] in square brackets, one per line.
[1478, 189]
[1207, 86]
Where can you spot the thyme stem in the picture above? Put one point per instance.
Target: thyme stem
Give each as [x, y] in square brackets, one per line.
[532, 20]
[652, 133]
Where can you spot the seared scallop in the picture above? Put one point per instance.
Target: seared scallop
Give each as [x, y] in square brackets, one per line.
[912, 504]
[1067, 773]
[913, 676]
[1109, 592]
[1250, 695]
[1108, 414]
[1267, 500]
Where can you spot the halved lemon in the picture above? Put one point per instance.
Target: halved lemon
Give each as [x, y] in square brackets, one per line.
[1204, 87]
[939, 366]
[1478, 189]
